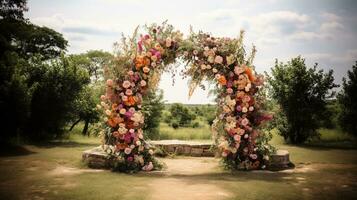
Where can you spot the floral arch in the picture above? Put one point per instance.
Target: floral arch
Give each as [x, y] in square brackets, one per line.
[143, 58]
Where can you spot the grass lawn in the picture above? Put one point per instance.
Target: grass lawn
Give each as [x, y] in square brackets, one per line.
[55, 171]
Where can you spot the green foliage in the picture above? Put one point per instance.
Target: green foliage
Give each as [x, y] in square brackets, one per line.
[14, 98]
[54, 89]
[180, 115]
[94, 61]
[348, 102]
[301, 93]
[13, 9]
[152, 109]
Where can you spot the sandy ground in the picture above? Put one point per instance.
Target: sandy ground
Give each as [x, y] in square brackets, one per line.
[178, 182]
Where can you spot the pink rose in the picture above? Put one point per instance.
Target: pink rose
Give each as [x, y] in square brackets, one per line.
[218, 59]
[110, 82]
[127, 151]
[126, 84]
[245, 122]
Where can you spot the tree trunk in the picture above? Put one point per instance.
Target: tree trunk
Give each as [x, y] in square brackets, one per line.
[74, 124]
[85, 128]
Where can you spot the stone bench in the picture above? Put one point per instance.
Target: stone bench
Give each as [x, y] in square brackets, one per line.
[186, 148]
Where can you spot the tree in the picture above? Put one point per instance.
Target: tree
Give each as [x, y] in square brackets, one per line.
[181, 115]
[94, 61]
[14, 98]
[347, 99]
[301, 93]
[152, 108]
[84, 107]
[13, 9]
[55, 86]
[23, 45]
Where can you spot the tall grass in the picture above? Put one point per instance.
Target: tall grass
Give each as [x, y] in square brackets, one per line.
[185, 133]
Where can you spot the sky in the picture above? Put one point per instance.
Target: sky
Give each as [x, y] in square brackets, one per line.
[321, 31]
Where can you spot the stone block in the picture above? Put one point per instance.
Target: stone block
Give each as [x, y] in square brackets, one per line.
[196, 151]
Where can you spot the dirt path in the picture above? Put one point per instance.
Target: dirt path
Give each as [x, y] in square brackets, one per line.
[183, 180]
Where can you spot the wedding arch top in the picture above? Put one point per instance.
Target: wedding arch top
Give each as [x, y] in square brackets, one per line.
[141, 60]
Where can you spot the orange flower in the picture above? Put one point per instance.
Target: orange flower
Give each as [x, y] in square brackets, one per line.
[249, 72]
[112, 122]
[222, 80]
[121, 146]
[131, 101]
[114, 106]
[118, 120]
[141, 61]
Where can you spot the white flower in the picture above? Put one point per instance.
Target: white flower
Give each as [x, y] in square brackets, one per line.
[251, 108]
[108, 112]
[253, 156]
[168, 42]
[137, 117]
[226, 109]
[210, 59]
[230, 125]
[122, 130]
[139, 159]
[138, 143]
[237, 137]
[151, 152]
[230, 59]
[122, 111]
[224, 144]
[214, 70]
[103, 104]
[230, 102]
[244, 109]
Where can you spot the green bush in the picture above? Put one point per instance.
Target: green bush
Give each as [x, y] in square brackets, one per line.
[181, 115]
[175, 125]
[195, 125]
